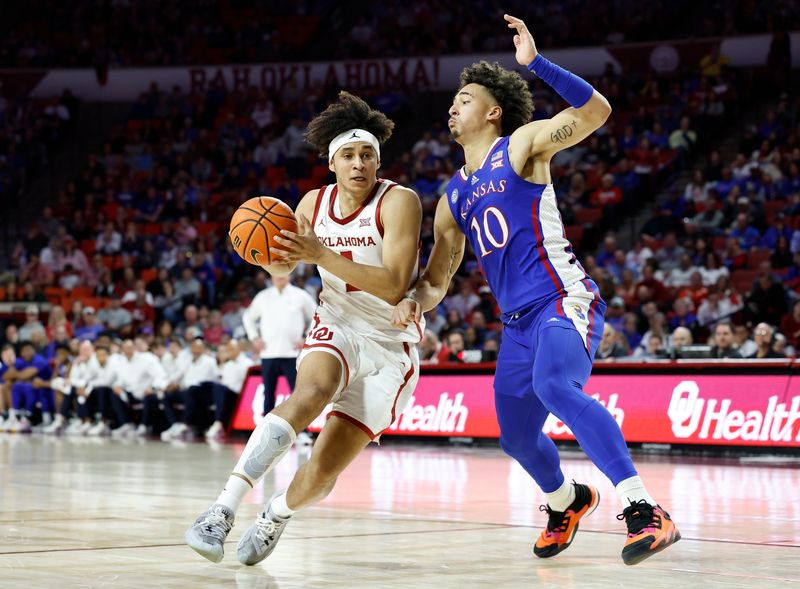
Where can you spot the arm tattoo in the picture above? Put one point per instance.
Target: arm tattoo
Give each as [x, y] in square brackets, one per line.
[454, 252]
[565, 132]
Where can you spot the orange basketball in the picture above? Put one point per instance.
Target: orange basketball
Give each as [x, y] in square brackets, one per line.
[254, 226]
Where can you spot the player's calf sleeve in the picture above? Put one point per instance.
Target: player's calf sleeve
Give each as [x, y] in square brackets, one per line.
[268, 443]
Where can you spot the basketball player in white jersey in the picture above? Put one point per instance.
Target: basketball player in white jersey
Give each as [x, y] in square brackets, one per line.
[363, 234]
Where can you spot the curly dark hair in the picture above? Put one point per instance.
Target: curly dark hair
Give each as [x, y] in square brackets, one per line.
[507, 87]
[349, 112]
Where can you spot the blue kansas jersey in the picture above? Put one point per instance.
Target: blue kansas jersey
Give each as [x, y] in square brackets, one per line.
[515, 229]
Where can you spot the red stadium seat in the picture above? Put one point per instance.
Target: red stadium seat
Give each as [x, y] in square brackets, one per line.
[276, 175]
[306, 184]
[575, 235]
[588, 216]
[742, 280]
[149, 274]
[87, 247]
[755, 257]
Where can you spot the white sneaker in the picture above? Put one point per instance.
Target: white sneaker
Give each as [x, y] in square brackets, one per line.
[99, 429]
[54, 428]
[207, 534]
[216, 431]
[84, 428]
[3, 422]
[141, 431]
[260, 539]
[304, 439]
[126, 429]
[74, 427]
[175, 432]
[23, 426]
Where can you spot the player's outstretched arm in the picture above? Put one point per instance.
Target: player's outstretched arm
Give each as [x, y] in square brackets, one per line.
[445, 258]
[588, 112]
[401, 217]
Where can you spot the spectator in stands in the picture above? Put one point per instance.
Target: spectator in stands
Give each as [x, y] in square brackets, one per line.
[36, 272]
[723, 341]
[712, 270]
[104, 376]
[743, 231]
[682, 315]
[654, 349]
[464, 301]
[32, 329]
[75, 385]
[781, 346]
[781, 256]
[683, 139]
[763, 335]
[109, 242]
[657, 325]
[697, 190]
[681, 338]
[670, 253]
[71, 255]
[455, 346]
[609, 347]
[681, 276]
[91, 328]
[57, 319]
[187, 287]
[115, 317]
[429, 348]
[790, 325]
[767, 299]
[741, 338]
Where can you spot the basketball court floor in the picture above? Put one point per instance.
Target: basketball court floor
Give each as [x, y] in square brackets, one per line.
[83, 513]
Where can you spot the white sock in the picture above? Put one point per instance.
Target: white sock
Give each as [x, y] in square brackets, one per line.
[562, 497]
[236, 489]
[279, 506]
[633, 489]
[268, 443]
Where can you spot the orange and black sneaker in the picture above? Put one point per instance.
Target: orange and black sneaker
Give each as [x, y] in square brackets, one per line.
[650, 530]
[562, 525]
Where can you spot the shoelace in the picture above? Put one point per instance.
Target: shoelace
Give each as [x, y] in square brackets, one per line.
[557, 521]
[265, 528]
[216, 525]
[640, 515]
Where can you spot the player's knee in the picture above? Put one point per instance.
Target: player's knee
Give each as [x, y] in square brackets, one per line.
[514, 445]
[312, 396]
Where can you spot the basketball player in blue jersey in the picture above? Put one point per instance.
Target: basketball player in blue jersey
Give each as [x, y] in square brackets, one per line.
[503, 200]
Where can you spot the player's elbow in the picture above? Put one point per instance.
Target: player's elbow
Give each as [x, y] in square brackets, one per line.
[395, 295]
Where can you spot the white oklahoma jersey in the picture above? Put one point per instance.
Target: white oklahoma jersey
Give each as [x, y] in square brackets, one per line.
[380, 362]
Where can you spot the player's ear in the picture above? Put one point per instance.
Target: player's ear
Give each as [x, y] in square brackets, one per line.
[330, 166]
[495, 113]
[378, 167]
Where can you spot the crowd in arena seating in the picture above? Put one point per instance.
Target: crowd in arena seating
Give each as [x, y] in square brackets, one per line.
[29, 133]
[132, 256]
[43, 33]
[720, 259]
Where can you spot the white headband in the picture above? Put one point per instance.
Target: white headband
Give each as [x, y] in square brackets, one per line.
[353, 136]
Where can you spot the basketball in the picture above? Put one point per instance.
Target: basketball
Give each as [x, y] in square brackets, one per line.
[254, 226]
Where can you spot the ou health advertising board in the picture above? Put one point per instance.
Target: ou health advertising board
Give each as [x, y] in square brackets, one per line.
[680, 408]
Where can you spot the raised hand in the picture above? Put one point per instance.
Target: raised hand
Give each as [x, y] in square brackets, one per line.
[523, 40]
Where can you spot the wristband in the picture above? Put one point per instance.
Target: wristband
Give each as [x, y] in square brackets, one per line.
[574, 89]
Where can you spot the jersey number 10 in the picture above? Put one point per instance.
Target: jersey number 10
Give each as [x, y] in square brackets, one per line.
[501, 222]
